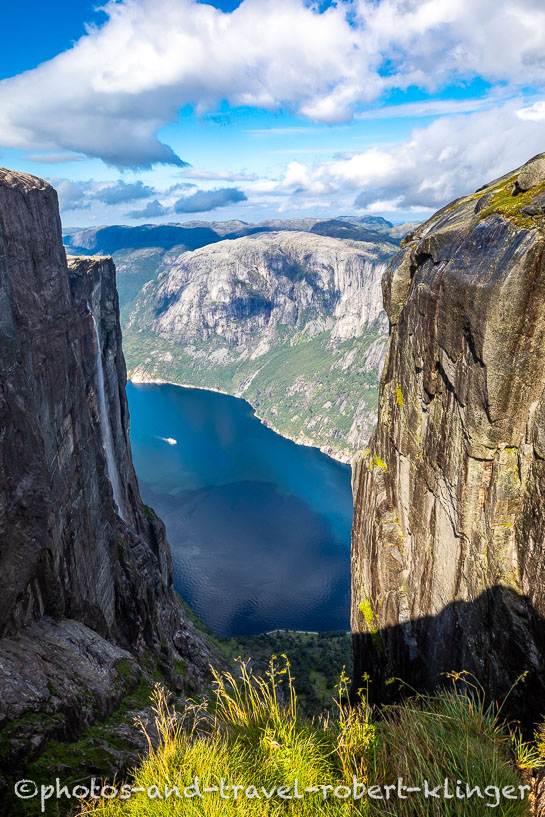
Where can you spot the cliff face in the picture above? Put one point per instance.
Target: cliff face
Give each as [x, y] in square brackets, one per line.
[86, 569]
[279, 318]
[448, 543]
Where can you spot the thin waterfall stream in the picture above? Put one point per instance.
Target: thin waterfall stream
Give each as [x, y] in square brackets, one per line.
[107, 436]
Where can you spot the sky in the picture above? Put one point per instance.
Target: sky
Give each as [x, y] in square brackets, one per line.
[151, 111]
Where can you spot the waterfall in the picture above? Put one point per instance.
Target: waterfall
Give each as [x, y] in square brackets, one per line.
[107, 436]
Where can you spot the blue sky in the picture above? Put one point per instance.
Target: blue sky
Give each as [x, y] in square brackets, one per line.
[171, 110]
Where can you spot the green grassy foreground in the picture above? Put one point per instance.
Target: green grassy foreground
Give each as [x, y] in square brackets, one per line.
[251, 735]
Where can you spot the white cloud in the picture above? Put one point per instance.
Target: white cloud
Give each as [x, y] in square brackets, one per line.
[120, 192]
[533, 113]
[80, 195]
[153, 209]
[72, 195]
[54, 158]
[204, 200]
[451, 157]
[218, 175]
[429, 107]
[110, 94]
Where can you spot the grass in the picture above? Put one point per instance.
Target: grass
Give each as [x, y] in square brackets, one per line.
[251, 734]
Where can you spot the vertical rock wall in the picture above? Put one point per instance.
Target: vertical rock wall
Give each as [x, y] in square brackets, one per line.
[83, 585]
[448, 545]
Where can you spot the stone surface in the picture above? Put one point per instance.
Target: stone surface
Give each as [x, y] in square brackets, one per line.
[448, 542]
[532, 173]
[279, 318]
[83, 585]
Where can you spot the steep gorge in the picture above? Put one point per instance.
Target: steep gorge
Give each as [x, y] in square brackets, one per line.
[87, 607]
[449, 528]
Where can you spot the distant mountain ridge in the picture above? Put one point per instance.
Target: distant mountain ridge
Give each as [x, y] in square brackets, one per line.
[195, 234]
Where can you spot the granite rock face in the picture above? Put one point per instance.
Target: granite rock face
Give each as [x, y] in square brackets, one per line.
[279, 318]
[448, 550]
[86, 579]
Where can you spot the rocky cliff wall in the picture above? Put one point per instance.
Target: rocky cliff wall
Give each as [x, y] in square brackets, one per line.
[86, 581]
[281, 318]
[448, 544]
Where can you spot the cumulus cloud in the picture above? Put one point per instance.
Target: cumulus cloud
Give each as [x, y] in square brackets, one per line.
[79, 195]
[110, 94]
[152, 210]
[121, 192]
[72, 195]
[451, 157]
[533, 113]
[204, 200]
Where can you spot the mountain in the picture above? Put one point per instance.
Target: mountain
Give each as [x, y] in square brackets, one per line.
[292, 321]
[354, 232]
[193, 234]
[375, 222]
[449, 528]
[139, 251]
[88, 614]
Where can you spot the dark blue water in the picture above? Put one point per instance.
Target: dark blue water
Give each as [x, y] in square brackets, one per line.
[259, 526]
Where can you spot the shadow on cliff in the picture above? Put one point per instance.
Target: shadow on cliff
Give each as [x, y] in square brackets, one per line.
[497, 638]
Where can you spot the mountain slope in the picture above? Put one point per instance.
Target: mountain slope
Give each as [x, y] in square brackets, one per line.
[280, 318]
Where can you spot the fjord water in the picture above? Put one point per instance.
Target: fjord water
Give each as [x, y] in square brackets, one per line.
[259, 526]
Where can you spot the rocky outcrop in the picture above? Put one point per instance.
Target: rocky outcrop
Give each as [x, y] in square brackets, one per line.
[448, 543]
[86, 567]
[292, 321]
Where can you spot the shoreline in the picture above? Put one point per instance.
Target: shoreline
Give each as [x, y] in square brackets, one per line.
[160, 382]
[302, 632]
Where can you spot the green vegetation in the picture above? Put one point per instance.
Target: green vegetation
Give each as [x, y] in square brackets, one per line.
[504, 200]
[251, 734]
[149, 513]
[134, 269]
[100, 749]
[370, 619]
[299, 386]
[135, 695]
[318, 660]
[507, 202]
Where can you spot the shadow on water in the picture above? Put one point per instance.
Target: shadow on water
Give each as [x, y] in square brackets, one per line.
[248, 558]
[259, 526]
[497, 638]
